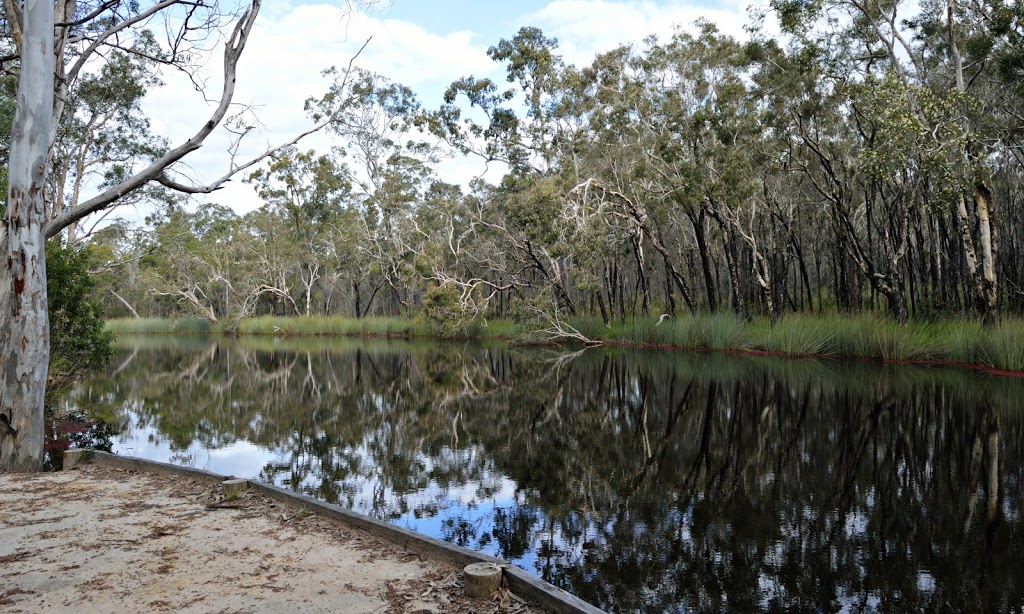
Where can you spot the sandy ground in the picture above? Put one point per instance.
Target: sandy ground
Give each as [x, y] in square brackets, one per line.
[100, 539]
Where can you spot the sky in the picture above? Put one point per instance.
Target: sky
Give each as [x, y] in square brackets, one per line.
[423, 44]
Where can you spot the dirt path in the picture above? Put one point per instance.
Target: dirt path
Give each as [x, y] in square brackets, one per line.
[102, 539]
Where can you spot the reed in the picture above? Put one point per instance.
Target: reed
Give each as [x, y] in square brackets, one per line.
[1003, 346]
[794, 335]
[331, 325]
[862, 336]
[150, 326]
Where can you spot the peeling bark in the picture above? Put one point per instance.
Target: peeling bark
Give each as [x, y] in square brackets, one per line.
[24, 315]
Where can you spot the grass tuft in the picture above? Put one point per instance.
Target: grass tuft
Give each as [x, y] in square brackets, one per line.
[149, 326]
[864, 336]
[1003, 346]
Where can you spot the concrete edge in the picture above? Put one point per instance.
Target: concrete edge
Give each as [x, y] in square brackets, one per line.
[522, 582]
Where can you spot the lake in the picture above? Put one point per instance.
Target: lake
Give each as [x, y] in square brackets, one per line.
[640, 481]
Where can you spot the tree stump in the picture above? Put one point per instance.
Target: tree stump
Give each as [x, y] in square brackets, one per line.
[73, 458]
[482, 579]
[233, 489]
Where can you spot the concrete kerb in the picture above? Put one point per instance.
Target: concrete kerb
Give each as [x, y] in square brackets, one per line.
[521, 582]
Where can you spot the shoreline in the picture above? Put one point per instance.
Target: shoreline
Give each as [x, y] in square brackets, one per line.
[759, 340]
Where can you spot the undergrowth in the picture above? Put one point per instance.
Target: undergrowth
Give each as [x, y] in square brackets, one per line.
[864, 336]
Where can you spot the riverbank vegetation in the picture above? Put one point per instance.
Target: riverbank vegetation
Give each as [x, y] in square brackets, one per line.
[851, 186]
[962, 342]
[828, 173]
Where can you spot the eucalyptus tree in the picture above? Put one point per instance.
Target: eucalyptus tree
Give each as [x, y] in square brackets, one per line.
[376, 121]
[527, 144]
[273, 260]
[935, 62]
[730, 152]
[525, 128]
[103, 136]
[466, 265]
[348, 257]
[829, 147]
[117, 250]
[192, 260]
[56, 45]
[309, 192]
[675, 140]
[610, 214]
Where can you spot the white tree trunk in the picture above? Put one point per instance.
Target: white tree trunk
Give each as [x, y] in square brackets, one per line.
[24, 316]
[986, 283]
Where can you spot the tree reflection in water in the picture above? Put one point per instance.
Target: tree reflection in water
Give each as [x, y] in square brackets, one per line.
[636, 480]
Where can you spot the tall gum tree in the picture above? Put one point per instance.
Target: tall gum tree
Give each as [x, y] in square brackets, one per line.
[56, 43]
[24, 321]
[921, 45]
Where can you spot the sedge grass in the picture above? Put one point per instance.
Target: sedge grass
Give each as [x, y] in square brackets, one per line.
[794, 335]
[862, 336]
[146, 326]
[1003, 346]
[332, 325]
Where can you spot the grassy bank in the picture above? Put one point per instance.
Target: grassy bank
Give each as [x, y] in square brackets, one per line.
[963, 342]
[999, 347]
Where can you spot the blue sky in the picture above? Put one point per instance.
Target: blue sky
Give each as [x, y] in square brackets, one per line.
[489, 19]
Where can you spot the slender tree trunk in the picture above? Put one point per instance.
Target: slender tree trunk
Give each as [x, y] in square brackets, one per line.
[24, 316]
[739, 301]
[356, 297]
[669, 298]
[608, 287]
[620, 274]
[135, 314]
[700, 232]
[987, 232]
[642, 279]
[804, 276]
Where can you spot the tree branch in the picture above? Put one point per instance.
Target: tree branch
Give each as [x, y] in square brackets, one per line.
[232, 52]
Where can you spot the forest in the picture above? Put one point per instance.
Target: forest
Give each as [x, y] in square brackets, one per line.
[865, 158]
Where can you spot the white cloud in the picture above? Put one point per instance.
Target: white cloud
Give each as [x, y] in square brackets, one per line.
[281, 68]
[291, 44]
[585, 28]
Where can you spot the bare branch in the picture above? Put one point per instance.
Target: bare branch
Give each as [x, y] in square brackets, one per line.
[232, 52]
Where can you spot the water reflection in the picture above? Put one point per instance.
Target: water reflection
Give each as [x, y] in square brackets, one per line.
[637, 481]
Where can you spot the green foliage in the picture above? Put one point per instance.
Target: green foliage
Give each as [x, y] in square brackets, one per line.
[534, 206]
[913, 127]
[825, 173]
[337, 325]
[159, 326]
[1002, 346]
[869, 336]
[307, 189]
[79, 341]
[796, 335]
[443, 309]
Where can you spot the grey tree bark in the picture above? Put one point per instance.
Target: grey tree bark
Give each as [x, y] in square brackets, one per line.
[24, 317]
[24, 313]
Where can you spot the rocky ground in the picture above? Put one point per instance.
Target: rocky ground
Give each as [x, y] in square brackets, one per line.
[102, 539]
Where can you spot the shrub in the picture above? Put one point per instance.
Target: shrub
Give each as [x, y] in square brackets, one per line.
[79, 341]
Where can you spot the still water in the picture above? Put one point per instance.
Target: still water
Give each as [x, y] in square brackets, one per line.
[637, 480]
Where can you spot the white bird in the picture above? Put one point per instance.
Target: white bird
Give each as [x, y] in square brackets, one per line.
[663, 317]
